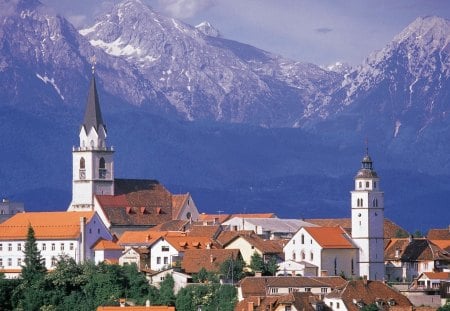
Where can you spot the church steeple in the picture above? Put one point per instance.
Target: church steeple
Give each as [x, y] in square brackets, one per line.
[93, 165]
[93, 114]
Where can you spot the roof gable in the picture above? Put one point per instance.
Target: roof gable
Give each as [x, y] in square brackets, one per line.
[330, 237]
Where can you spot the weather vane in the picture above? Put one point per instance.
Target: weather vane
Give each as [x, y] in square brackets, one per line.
[93, 62]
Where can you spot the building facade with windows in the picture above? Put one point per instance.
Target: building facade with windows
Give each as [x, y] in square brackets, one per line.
[57, 234]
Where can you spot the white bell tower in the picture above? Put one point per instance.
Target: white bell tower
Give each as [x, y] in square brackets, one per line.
[93, 165]
[368, 220]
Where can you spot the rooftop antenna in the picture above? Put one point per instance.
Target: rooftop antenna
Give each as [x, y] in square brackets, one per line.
[93, 60]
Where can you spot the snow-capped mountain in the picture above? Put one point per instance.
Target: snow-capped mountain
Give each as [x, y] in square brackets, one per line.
[208, 77]
[408, 81]
[208, 29]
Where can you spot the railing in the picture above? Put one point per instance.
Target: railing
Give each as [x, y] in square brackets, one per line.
[92, 148]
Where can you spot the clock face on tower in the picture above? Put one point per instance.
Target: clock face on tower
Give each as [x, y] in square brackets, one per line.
[82, 174]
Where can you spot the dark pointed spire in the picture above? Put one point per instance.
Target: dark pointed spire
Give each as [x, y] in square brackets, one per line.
[93, 115]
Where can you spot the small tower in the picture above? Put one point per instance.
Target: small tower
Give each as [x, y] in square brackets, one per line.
[93, 169]
[368, 220]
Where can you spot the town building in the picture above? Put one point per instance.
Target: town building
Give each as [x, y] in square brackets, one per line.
[57, 234]
[123, 204]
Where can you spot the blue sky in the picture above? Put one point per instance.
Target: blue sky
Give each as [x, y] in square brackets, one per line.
[317, 31]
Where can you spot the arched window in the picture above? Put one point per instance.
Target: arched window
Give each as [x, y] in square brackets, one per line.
[303, 239]
[360, 184]
[367, 184]
[374, 184]
[293, 255]
[375, 203]
[303, 255]
[102, 169]
[311, 256]
[82, 168]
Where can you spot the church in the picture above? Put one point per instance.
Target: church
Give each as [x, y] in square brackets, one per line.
[122, 204]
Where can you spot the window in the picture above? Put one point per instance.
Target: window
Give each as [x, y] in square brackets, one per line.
[307, 289]
[19, 246]
[1, 247]
[293, 241]
[43, 247]
[98, 231]
[311, 256]
[367, 184]
[324, 290]
[166, 260]
[164, 248]
[19, 261]
[82, 168]
[71, 246]
[303, 255]
[360, 184]
[337, 305]
[335, 266]
[331, 304]
[61, 247]
[1, 262]
[188, 214]
[9, 247]
[53, 246]
[374, 184]
[53, 263]
[274, 290]
[158, 260]
[102, 169]
[293, 255]
[352, 263]
[9, 262]
[90, 230]
[303, 239]
[287, 308]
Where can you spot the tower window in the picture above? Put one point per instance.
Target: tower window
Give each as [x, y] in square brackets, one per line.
[82, 168]
[374, 184]
[102, 169]
[360, 185]
[367, 184]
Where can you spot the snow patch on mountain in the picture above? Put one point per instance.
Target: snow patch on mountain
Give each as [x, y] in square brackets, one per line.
[46, 80]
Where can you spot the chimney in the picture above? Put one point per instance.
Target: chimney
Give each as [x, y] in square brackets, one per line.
[83, 239]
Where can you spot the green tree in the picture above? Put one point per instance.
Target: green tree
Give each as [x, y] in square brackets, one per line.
[225, 298]
[445, 307]
[185, 300]
[232, 269]
[166, 294]
[34, 267]
[137, 287]
[7, 287]
[256, 262]
[271, 266]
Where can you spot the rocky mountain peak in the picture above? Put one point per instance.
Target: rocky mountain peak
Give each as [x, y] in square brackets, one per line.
[207, 29]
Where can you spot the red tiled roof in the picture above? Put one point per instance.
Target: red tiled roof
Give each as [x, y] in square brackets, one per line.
[216, 218]
[103, 244]
[182, 243]
[226, 236]
[438, 275]
[330, 237]
[368, 293]
[147, 237]
[264, 246]
[439, 234]
[210, 259]
[178, 201]
[171, 225]
[46, 225]
[414, 249]
[206, 231]
[137, 308]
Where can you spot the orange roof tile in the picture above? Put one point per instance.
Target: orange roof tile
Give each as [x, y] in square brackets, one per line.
[178, 201]
[438, 275]
[181, 243]
[330, 237]
[216, 218]
[46, 225]
[103, 244]
[206, 231]
[444, 244]
[147, 237]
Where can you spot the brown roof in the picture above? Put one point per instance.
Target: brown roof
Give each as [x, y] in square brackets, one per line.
[137, 308]
[137, 202]
[259, 286]
[178, 201]
[438, 275]
[172, 225]
[264, 246]
[330, 237]
[210, 259]
[226, 236]
[391, 229]
[46, 225]
[301, 301]
[368, 293]
[439, 234]
[209, 231]
[414, 249]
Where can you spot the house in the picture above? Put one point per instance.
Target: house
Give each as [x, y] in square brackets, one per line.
[268, 228]
[209, 259]
[280, 285]
[360, 293]
[295, 301]
[294, 268]
[181, 280]
[407, 258]
[430, 281]
[140, 256]
[329, 248]
[72, 234]
[122, 204]
[107, 251]
[440, 237]
[250, 243]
